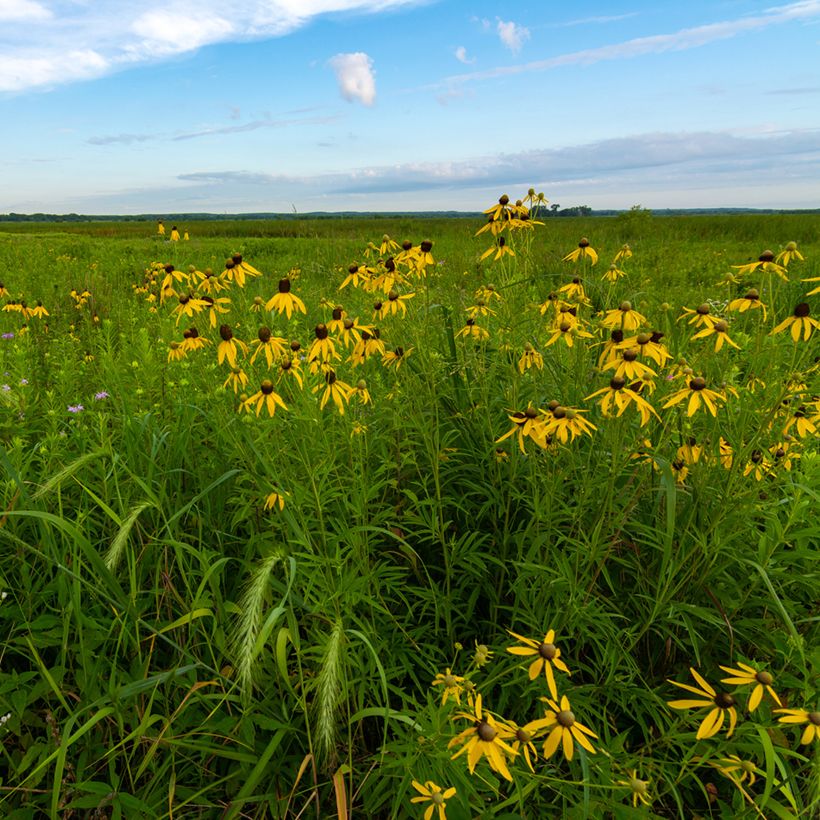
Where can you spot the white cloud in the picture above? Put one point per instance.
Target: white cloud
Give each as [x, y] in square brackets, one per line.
[512, 35]
[17, 73]
[80, 39]
[354, 73]
[680, 40]
[22, 10]
[461, 56]
[169, 32]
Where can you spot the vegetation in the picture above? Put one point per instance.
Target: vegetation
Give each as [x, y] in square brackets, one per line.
[543, 545]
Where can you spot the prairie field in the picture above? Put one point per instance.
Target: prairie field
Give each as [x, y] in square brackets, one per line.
[513, 516]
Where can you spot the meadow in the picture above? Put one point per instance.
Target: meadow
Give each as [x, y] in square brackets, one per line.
[440, 518]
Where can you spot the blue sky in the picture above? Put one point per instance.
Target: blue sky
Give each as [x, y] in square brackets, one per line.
[228, 106]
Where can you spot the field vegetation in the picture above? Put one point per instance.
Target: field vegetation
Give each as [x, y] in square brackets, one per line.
[411, 518]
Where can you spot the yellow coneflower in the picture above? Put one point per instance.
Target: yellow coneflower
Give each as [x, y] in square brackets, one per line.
[387, 245]
[803, 423]
[720, 704]
[583, 251]
[273, 346]
[649, 345]
[351, 331]
[486, 293]
[334, 389]
[394, 358]
[337, 320]
[547, 655]
[736, 769]
[191, 340]
[323, 349]
[749, 301]
[523, 740]
[172, 275]
[434, 795]
[638, 787]
[574, 290]
[237, 379]
[567, 330]
[487, 737]
[208, 282]
[720, 330]
[452, 686]
[787, 254]
[628, 366]
[472, 330]
[265, 397]
[696, 393]
[237, 268]
[357, 275]
[613, 273]
[701, 316]
[530, 358]
[566, 730]
[623, 317]
[289, 369]
[746, 675]
[500, 249]
[758, 466]
[4, 292]
[284, 301]
[188, 306]
[480, 308]
[216, 307]
[566, 423]
[528, 423]
[799, 322]
[765, 262]
[273, 500]
[725, 453]
[500, 212]
[624, 253]
[38, 310]
[811, 719]
[176, 352]
[617, 396]
[229, 346]
[369, 344]
[783, 454]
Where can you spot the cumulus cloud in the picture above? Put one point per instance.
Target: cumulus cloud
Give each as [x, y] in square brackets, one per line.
[44, 45]
[354, 73]
[22, 10]
[512, 35]
[461, 56]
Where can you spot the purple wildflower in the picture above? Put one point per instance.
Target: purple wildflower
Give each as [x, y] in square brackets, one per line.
[7, 336]
[100, 396]
[75, 408]
[5, 388]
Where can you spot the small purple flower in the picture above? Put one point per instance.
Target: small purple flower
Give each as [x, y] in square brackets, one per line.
[75, 408]
[5, 388]
[7, 336]
[100, 396]
[23, 382]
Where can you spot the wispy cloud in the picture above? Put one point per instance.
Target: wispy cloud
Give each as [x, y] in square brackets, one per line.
[764, 169]
[512, 35]
[642, 158]
[680, 40]
[45, 45]
[595, 21]
[212, 131]
[354, 73]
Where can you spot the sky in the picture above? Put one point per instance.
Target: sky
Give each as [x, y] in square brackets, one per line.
[231, 106]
